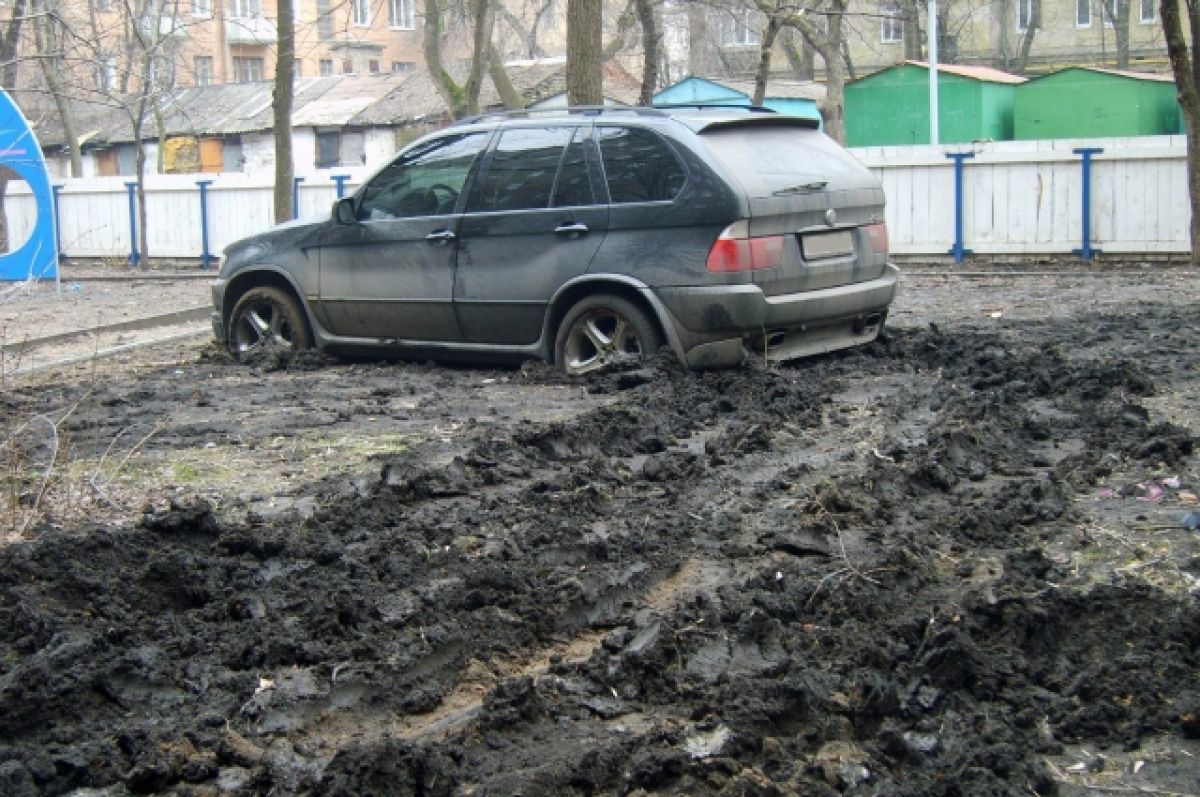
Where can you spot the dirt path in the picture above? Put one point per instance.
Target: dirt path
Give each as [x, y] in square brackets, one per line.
[952, 563]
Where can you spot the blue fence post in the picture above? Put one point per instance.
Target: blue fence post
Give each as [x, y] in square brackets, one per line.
[134, 257]
[296, 196]
[339, 180]
[957, 250]
[57, 189]
[1086, 251]
[205, 256]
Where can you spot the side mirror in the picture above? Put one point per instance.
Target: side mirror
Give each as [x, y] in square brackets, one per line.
[343, 211]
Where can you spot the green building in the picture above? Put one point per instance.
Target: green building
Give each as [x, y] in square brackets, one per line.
[1082, 102]
[891, 107]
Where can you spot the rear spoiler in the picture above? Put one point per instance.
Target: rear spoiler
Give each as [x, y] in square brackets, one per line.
[777, 120]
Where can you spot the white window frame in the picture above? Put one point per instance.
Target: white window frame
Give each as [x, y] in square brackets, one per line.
[891, 25]
[245, 8]
[203, 77]
[736, 33]
[1105, 7]
[1147, 12]
[401, 15]
[1083, 13]
[1024, 14]
[360, 13]
[202, 8]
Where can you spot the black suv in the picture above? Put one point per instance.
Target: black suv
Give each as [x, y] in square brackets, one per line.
[585, 236]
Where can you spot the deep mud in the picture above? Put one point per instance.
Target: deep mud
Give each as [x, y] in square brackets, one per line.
[950, 563]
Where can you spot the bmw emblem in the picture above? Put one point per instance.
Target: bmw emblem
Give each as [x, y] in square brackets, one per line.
[831, 217]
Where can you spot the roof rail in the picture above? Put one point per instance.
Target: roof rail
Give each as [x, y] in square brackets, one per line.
[711, 106]
[581, 110]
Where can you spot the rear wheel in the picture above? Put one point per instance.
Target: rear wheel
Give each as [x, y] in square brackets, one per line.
[267, 319]
[603, 332]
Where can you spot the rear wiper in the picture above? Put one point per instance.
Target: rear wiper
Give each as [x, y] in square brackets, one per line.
[803, 188]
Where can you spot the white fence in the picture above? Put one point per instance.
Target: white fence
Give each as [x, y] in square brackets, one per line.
[1018, 198]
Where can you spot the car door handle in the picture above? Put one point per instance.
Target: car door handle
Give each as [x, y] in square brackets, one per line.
[440, 237]
[573, 229]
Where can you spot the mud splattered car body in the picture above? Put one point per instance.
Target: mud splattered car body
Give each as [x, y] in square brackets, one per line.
[585, 237]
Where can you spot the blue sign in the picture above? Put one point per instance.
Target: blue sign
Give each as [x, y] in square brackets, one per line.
[37, 257]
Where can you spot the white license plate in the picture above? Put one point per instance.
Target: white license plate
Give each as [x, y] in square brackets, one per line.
[827, 244]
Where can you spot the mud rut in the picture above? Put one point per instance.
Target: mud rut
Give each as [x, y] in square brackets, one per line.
[860, 575]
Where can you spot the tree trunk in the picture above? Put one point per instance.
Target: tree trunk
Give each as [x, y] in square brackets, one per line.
[912, 30]
[765, 49]
[802, 62]
[1121, 32]
[450, 92]
[282, 97]
[647, 12]
[585, 48]
[481, 18]
[1187, 84]
[511, 98]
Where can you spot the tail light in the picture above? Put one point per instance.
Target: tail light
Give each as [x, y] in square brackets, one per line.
[877, 234]
[735, 250]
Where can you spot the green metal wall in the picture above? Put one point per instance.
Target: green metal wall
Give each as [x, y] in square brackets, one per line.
[892, 108]
[1080, 103]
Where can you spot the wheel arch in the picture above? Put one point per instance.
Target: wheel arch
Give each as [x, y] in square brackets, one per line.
[245, 281]
[633, 291]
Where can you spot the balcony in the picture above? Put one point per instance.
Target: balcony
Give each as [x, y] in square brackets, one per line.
[250, 30]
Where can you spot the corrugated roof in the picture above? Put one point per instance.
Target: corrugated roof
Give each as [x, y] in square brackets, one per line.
[1154, 77]
[782, 89]
[338, 101]
[984, 73]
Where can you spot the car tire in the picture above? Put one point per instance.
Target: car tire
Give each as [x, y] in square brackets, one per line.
[267, 320]
[602, 333]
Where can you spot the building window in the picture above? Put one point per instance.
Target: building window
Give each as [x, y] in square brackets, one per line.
[1027, 14]
[891, 24]
[324, 20]
[247, 69]
[400, 14]
[202, 65]
[103, 5]
[1147, 13]
[373, 66]
[1083, 13]
[347, 67]
[201, 8]
[106, 73]
[361, 13]
[325, 67]
[329, 146]
[402, 66]
[741, 28]
[246, 8]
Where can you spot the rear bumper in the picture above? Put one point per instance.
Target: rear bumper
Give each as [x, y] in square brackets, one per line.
[717, 326]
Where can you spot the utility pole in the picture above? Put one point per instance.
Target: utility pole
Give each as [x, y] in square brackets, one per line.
[933, 73]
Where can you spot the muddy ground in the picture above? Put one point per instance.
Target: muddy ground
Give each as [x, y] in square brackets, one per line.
[955, 562]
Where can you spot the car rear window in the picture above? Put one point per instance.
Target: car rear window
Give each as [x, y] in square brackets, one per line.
[766, 159]
[638, 165]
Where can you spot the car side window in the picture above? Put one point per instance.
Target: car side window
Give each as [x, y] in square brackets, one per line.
[425, 181]
[574, 185]
[520, 174]
[638, 165]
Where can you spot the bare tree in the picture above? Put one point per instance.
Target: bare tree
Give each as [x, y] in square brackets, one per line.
[282, 98]
[9, 46]
[649, 14]
[585, 51]
[1116, 15]
[1186, 67]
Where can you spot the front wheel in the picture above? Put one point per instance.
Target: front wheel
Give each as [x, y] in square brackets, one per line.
[603, 332]
[267, 319]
